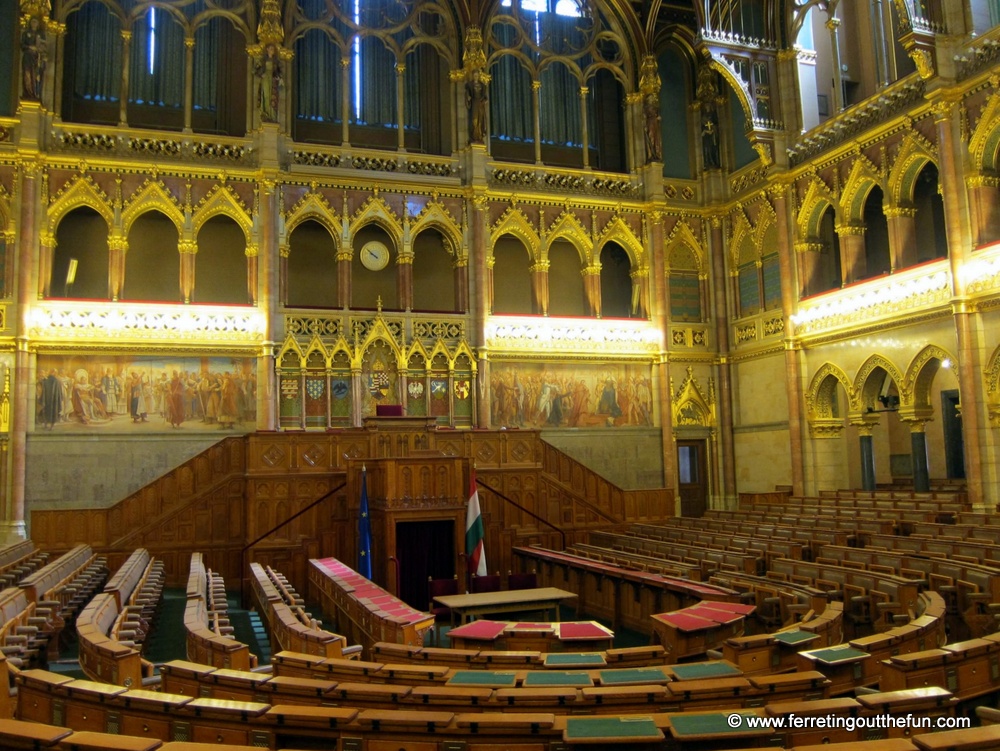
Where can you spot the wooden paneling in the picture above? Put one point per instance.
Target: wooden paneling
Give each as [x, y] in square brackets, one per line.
[243, 488]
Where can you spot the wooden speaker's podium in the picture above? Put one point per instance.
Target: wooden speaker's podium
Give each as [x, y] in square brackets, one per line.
[414, 485]
[399, 435]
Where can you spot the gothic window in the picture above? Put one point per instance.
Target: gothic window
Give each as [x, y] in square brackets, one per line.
[511, 277]
[877, 258]
[221, 263]
[566, 295]
[152, 263]
[81, 244]
[311, 270]
[433, 273]
[92, 83]
[684, 286]
[616, 282]
[932, 241]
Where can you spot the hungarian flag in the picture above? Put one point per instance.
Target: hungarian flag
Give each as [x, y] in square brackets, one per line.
[364, 531]
[474, 531]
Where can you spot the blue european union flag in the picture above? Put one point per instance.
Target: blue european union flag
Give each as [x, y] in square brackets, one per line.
[364, 531]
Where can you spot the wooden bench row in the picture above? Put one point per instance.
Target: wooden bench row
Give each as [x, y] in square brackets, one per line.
[870, 597]
[85, 706]
[810, 536]
[290, 627]
[364, 612]
[778, 603]
[710, 558]
[618, 595]
[18, 560]
[769, 547]
[968, 588]
[25, 629]
[674, 565]
[208, 631]
[107, 654]
[776, 651]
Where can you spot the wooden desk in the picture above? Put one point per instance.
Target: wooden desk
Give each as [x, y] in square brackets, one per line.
[611, 730]
[483, 603]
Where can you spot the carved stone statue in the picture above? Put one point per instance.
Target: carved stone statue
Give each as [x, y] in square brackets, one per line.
[476, 99]
[33, 58]
[269, 93]
[653, 130]
[710, 141]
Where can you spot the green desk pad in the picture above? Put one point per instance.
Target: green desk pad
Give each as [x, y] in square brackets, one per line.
[556, 678]
[794, 637]
[639, 728]
[685, 725]
[626, 676]
[835, 656]
[593, 659]
[697, 670]
[483, 678]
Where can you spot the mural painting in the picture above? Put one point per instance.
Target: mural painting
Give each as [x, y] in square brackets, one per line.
[114, 393]
[529, 395]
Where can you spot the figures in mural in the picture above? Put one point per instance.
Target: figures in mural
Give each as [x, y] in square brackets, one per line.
[654, 131]
[51, 399]
[557, 396]
[476, 100]
[33, 57]
[710, 141]
[175, 401]
[91, 392]
[269, 88]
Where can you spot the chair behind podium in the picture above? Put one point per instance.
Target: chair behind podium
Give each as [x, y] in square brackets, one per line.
[388, 410]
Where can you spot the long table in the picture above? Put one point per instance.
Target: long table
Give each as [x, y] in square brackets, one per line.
[513, 601]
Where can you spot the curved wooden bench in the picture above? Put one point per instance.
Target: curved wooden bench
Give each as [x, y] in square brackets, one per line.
[104, 657]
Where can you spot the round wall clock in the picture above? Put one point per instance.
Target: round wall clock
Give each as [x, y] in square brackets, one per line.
[374, 255]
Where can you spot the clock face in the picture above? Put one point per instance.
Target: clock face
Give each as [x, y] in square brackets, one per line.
[374, 255]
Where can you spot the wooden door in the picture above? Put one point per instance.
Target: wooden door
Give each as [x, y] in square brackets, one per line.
[693, 474]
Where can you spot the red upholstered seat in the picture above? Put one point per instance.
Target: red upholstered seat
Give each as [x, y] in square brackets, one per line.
[488, 583]
[440, 588]
[522, 581]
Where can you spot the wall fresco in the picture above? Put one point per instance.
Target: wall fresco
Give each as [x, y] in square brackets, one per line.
[534, 395]
[108, 393]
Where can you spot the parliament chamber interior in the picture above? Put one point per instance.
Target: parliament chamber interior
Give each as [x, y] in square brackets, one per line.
[499, 375]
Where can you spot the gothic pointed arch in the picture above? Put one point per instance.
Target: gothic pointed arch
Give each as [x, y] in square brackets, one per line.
[379, 332]
[435, 216]
[290, 354]
[514, 222]
[316, 347]
[682, 242]
[152, 196]
[866, 389]
[817, 200]
[863, 177]
[376, 211]
[984, 145]
[822, 403]
[741, 241]
[618, 230]
[222, 200]
[920, 374]
[567, 227]
[81, 192]
[313, 206]
[915, 152]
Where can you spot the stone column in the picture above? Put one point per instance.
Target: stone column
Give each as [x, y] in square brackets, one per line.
[787, 255]
[717, 251]
[345, 100]
[640, 293]
[583, 120]
[123, 91]
[853, 264]
[984, 199]
[404, 280]
[187, 249]
[188, 82]
[483, 303]
[536, 104]
[400, 118]
[865, 428]
[253, 253]
[968, 321]
[540, 288]
[46, 251]
[808, 257]
[833, 24]
[344, 265]
[461, 274]
[267, 398]
[592, 289]
[24, 359]
[657, 267]
[918, 449]
[902, 236]
[117, 250]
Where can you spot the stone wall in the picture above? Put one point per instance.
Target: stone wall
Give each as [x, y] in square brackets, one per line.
[631, 458]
